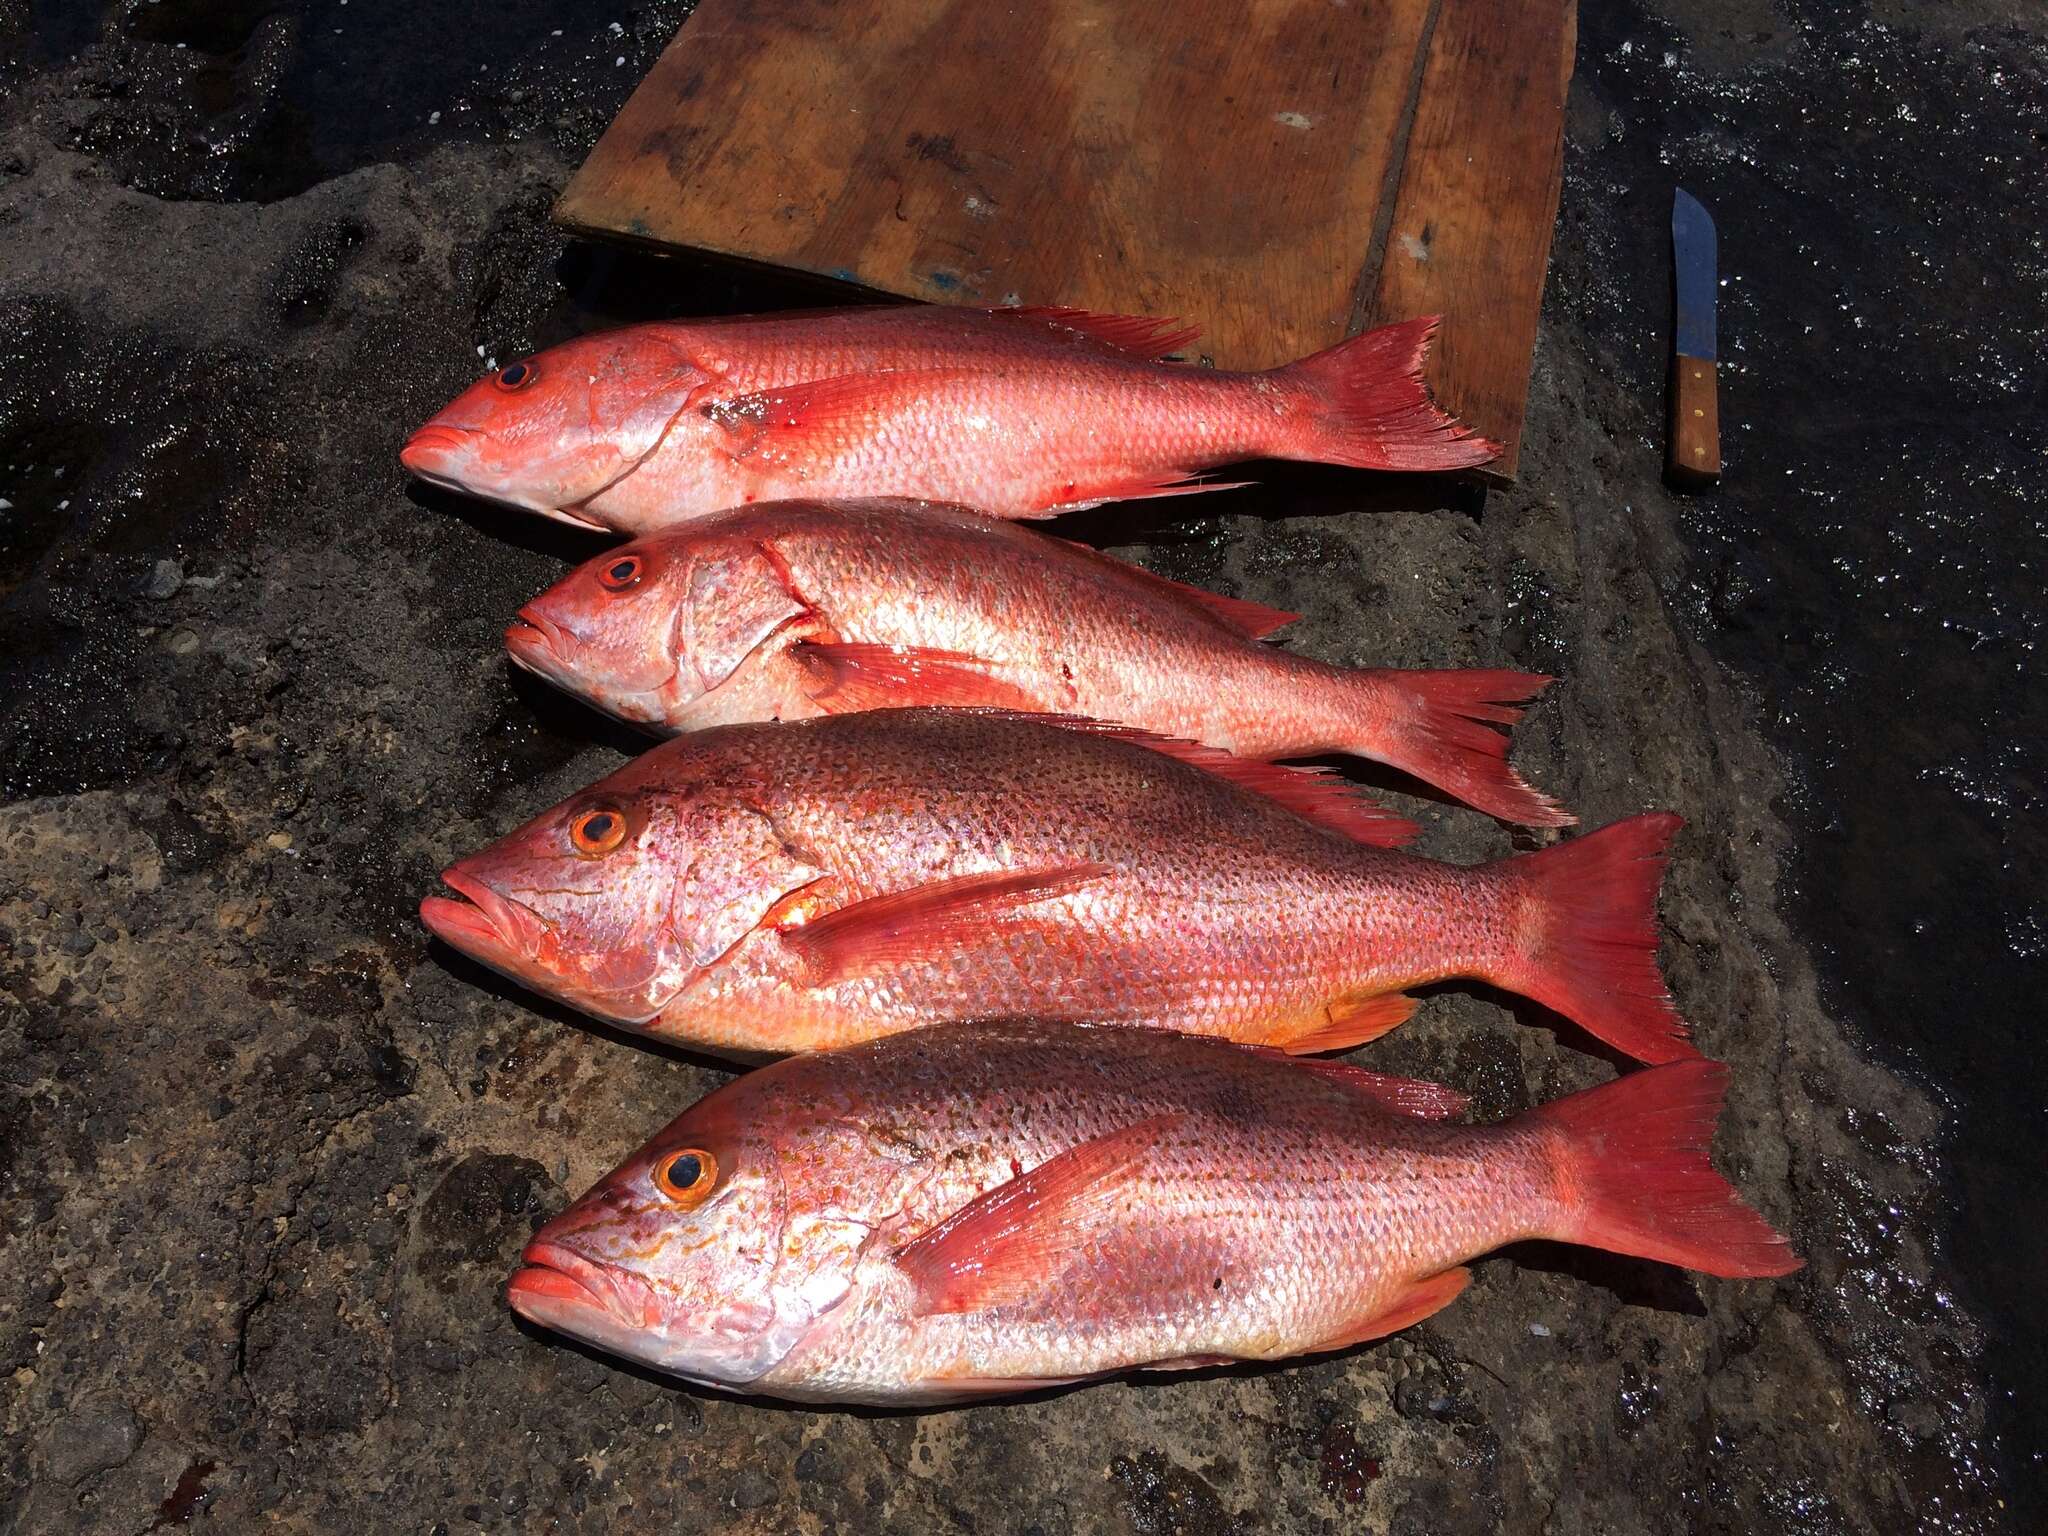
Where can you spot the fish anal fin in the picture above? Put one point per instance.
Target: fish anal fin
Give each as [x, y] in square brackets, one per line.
[1078, 495]
[1148, 337]
[1348, 1022]
[1009, 1243]
[927, 920]
[1418, 1301]
[846, 676]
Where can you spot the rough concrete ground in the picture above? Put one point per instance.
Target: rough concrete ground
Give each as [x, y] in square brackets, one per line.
[268, 1156]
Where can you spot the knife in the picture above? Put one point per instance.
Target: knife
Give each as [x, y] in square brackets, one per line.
[1693, 457]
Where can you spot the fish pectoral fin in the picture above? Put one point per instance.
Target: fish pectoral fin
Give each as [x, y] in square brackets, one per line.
[1011, 1242]
[844, 677]
[784, 423]
[928, 920]
[1347, 1022]
[1412, 1306]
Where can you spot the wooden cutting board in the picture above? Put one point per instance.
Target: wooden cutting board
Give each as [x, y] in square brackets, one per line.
[1281, 172]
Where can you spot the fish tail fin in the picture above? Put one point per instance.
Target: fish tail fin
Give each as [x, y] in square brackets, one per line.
[1374, 410]
[1585, 918]
[1439, 726]
[1634, 1174]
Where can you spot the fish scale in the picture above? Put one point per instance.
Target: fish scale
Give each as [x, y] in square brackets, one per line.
[1019, 413]
[890, 1223]
[835, 879]
[798, 609]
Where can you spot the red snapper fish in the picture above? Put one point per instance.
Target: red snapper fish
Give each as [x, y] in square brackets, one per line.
[796, 609]
[802, 886]
[1016, 412]
[976, 1209]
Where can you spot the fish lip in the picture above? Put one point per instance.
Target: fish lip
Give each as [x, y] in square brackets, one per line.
[505, 934]
[536, 642]
[552, 1272]
[424, 452]
[482, 923]
[437, 452]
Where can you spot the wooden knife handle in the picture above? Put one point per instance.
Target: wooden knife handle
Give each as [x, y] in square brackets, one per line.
[1694, 452]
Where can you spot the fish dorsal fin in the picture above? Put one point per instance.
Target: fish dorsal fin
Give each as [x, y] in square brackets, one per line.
[1008, 1243]
[1147, 337]
[845, 676]
[1411, 1096]
[1254, 621]
[1315, 794]
[925, 921]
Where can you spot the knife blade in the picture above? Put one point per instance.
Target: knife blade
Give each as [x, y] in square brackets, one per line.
[1693, 456]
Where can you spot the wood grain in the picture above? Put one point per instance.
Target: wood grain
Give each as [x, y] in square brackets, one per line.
[1228, 163]
[1693, 451]
[1472, 217]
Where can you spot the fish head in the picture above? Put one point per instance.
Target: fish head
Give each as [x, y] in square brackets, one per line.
[617, 899]
[686, 1258]
[647, 629]
[551, 431]
[576, 904]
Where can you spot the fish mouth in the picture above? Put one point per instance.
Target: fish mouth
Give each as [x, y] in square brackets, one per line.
[434, 451]
[537, 643]
[554, 1286]
[502, 933]
[511, 938]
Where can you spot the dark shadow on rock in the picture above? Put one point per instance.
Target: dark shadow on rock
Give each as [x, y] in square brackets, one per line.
[1635, 1282]
[610, 285]
[1276, 489]
[564, 715]
[474, 973]
[1569, 1034]
[1380, 779]
[513, 525]
[1138, 1378]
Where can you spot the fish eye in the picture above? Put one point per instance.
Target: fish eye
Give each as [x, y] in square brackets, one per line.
[686, 1177]
[518, 376]
[619, 574]
[598, 831]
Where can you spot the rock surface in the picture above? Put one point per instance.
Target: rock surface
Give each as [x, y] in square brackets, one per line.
[268, 1156]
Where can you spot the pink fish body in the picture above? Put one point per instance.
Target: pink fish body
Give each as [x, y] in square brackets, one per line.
[791, 610]
[1018, 413]
[770, 888]
[986, 1208]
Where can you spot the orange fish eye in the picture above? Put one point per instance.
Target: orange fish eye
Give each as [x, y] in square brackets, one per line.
[686, 1177]
[598, 831]
[619, 574]
[518, 376]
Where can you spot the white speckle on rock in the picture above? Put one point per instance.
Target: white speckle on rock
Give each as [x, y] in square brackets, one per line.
[1416, 247]
[1293, 120]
